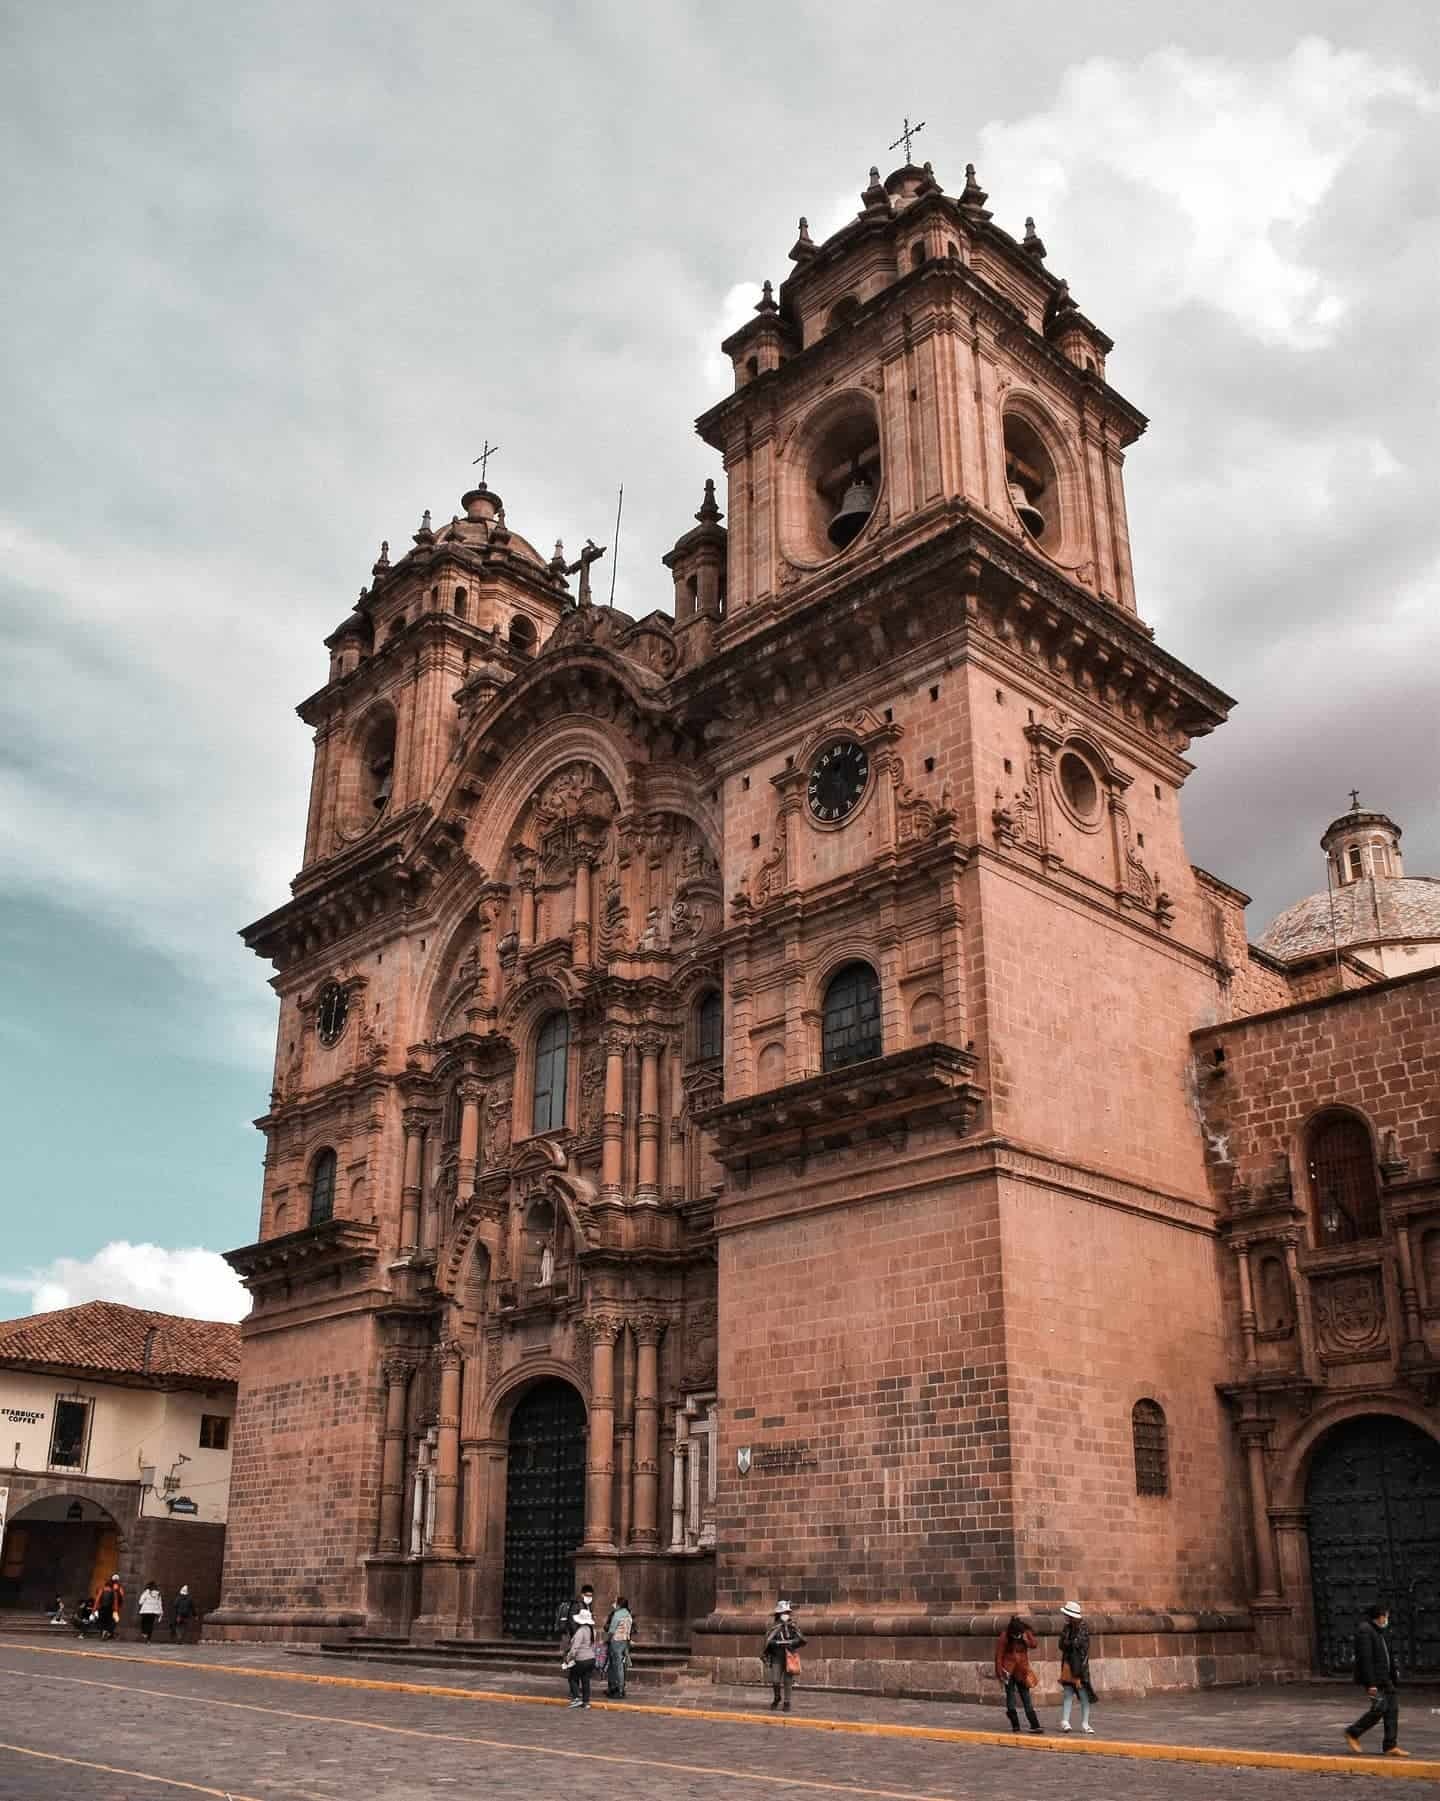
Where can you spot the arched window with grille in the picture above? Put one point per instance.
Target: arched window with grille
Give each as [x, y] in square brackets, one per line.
[322, 1187]
[552, 1051]
[1344, 1191]
[851, 1028]
[1151, 1437]
[710, 1028]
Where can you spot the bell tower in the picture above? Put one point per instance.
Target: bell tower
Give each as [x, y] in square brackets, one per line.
[964, 951]
[920, 366]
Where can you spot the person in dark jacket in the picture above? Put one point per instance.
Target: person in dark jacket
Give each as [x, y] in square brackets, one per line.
[1075, 1667]
[782, 1644]
[1012, 1666]
[182, 1614]
[1378, 1674]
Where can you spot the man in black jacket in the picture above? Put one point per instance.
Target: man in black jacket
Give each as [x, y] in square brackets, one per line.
[1377, 1674]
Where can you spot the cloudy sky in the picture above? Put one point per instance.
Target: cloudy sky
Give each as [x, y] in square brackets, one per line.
[273, 273]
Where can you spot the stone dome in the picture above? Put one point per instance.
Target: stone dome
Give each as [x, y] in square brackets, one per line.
[1385, 910]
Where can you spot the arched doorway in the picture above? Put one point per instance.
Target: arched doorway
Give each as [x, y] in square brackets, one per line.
[1373, 1493]
[544, 1507]
[57, 1547]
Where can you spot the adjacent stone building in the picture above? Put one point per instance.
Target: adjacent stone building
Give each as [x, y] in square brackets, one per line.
[745, 1113]
[115, 1427]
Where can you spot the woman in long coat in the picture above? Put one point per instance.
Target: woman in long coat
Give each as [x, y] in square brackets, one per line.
[1075, 1667]
[782, 1643]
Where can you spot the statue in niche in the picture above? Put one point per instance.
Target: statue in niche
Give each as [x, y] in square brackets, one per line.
[547, 1267]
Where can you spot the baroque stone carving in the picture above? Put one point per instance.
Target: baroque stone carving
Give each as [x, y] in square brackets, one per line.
[1350, 1314]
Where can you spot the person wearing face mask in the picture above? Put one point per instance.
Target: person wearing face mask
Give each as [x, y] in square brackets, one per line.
[182, 1614]
[1378, 1674]
[782, 1655]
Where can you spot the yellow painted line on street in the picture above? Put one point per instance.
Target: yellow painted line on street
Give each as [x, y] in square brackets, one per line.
[1313, 1763]
[110, 1769]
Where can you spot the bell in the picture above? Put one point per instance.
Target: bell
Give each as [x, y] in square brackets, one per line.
[384, 770]
[855, 509]
[1030, 515]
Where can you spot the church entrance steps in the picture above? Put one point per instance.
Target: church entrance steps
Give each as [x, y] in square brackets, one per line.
[660, 1664]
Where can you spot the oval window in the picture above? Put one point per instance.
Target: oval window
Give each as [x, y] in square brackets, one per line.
[1078, 785]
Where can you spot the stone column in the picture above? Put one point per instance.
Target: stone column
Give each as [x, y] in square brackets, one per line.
[625, 1452]
[527, 907]
[1304, 1320]
[600, 1458]
[392, 1469]
[613, 1123]
[1253, 1434]
[647, 1185]
[1247, 1302]
[677, 1490]
[470, 1096]
[1409, 1296]
[447, 1451]
[649, 1329]
[580, 932]
[410, 1189]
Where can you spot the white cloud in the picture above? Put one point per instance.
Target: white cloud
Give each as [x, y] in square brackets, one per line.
[1218, 167]
[195, 1283]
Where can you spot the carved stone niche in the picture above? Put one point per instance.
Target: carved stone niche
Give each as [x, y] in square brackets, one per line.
[1350, 1319]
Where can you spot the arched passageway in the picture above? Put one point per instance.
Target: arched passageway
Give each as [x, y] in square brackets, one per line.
[57, 1547]
[544, 1507]
[1373, 1494]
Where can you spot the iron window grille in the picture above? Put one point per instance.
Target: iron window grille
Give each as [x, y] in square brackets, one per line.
[851, 1031]
[1152, 1448]
[1342, 1181]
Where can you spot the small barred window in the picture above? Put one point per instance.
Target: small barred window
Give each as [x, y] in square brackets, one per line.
[1152, 1448]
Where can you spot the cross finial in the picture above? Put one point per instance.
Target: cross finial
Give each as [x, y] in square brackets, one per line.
[905, 136]
[1354, 800]
[488, 450]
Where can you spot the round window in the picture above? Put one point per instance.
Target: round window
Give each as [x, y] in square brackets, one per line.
[1079, 787]
[332, 1012]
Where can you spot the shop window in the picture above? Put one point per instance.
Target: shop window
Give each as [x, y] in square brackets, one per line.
[552, 1049]
[322, 1187]
[69, 1437]
[214, 1432]
[1344, 1192]
[851, 1030]
[1152, 1448]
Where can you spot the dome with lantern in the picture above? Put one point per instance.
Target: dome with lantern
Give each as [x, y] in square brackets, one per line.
[1369, 909]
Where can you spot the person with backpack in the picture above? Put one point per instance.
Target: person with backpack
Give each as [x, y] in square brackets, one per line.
[782, 1655]
[579, 1661]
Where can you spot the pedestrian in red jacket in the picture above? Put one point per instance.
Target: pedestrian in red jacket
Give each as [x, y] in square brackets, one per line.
[1012, 1666]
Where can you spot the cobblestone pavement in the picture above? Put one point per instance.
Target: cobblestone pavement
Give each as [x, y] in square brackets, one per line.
[223, 1732]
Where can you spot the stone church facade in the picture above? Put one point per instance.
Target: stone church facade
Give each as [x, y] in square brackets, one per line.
[763, 1101]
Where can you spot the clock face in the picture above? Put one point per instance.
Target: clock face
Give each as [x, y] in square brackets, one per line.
[838, 779]
[332, 1012]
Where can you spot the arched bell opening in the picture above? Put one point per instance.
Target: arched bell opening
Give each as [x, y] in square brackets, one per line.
[832, 480]
[544, 1507]
[1033, 483]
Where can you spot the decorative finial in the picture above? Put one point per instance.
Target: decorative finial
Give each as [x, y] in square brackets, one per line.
[974, 196]
[929, 185]
[767, 302]
[1032, 240]
[875, 200]
[1062, 301]
[382, 562]
[709, 513]
[424, 535]
[1354, 800]
[557, 562]
[804, 246]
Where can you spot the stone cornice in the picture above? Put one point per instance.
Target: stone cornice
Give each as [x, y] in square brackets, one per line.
[331, 1249]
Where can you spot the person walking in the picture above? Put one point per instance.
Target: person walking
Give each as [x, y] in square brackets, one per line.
[1012, 1666]
[152, 1609]
[782, 1655]
[181, 1614]
[1378, 1674]
[579, 1664]
[620, 1631]
[1075, 1667]
[109, 1604]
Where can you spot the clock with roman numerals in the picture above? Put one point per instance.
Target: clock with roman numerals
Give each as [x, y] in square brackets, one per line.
[839, 777]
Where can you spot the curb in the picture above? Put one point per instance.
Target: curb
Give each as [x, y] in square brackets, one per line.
[1315, 1764]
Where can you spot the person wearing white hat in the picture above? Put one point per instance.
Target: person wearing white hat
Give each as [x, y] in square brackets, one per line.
[579, 1660]
[782, 1655]
[1075, 1667]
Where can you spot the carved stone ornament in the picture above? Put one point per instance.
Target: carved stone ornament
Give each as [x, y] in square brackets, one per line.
[702, 1345]
[1350, 1314]
[770, 876]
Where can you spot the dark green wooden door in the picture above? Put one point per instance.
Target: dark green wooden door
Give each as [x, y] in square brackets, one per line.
[544, 1507]
[1374, 1499]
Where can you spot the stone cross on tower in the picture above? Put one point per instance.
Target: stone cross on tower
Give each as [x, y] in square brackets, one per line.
[590, 554]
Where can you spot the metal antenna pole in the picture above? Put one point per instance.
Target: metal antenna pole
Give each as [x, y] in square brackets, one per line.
[615, 559]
